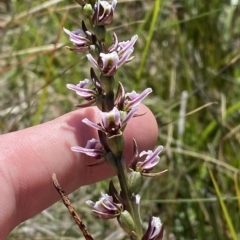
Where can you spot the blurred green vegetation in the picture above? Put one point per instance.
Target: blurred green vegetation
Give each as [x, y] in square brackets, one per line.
[188, 52]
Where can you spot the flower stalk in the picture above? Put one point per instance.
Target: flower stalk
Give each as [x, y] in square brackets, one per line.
[128, 197]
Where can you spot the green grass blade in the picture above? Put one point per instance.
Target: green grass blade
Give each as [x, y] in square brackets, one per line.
[210, 128]
[223, 206]
[156, 11]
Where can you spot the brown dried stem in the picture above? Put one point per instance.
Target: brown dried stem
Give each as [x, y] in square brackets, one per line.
[71, 209]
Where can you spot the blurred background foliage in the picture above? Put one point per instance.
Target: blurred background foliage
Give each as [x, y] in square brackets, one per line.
[188, 52]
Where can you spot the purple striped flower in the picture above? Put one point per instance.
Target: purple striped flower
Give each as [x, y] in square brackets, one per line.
[81, 38]
[150, 161]
[113, 122]
[87, 94]
[105, 207]
[125, 46]
[93, 149]
[133, 99]
[108, 63]
[155, 230]
[89, 90]
[103, 12]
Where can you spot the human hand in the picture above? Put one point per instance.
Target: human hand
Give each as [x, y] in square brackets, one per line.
[29, 157]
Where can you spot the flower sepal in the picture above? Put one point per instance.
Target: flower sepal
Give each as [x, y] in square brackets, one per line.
[154, 174]
[114, 193]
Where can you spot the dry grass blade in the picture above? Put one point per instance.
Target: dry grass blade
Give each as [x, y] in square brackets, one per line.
[32, 11]
[206, 158]
[29, 51]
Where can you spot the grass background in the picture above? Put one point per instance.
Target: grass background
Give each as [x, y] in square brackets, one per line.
[188, 52]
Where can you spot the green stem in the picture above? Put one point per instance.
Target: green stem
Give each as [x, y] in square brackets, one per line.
[130, 205]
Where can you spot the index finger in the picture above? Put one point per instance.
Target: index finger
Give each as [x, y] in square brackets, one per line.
[29, 158]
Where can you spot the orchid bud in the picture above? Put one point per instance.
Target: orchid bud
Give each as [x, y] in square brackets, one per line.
[126, 222]
[88, 10]
[135, 181]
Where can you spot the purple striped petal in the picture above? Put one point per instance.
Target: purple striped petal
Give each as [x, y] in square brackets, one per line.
[92, 124]
[92, 60]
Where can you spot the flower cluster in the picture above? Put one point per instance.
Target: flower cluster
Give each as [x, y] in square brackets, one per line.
[117, 109]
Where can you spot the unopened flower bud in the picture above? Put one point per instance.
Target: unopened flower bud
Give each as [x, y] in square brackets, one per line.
[126, 222]
[135, 181]
[88, 10]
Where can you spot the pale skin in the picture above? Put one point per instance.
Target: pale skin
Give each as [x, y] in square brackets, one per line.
[29, 157]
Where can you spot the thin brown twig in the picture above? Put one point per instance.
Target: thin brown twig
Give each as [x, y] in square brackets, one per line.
[71, 209]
